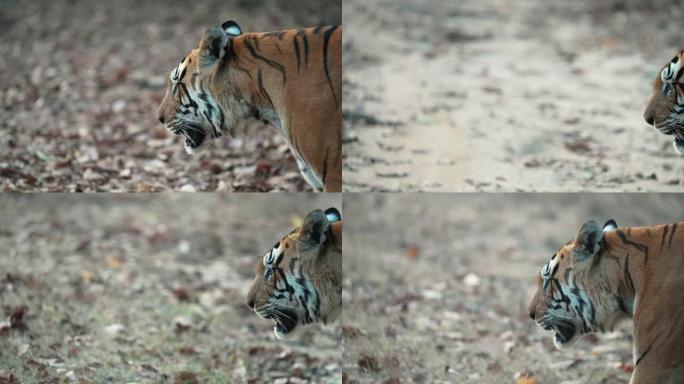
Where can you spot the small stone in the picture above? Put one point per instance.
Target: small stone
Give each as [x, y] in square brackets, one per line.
[184, 247]
[115, 329]
[508, 346]
[471, 280]
[188, 188]
[118, 106]
[430, 294]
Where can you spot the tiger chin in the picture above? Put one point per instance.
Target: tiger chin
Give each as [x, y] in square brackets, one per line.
[610, 273]
[290, 79]
[665, 111]
[299, 281]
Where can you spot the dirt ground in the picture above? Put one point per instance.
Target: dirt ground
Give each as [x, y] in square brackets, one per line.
[437, 286]
[82, 81]
[149, 289]
[500, 95]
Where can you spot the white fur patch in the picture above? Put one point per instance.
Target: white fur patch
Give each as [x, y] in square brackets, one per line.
[233, 31]
[547, 269]
[272, 256]
[175, 74]
[609, 228]
[668, 74]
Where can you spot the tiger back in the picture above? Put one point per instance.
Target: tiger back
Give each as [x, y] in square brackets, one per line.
[290, 79]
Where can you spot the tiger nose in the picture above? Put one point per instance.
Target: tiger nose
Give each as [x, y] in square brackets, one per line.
[160, 117]
[250, 303]
[532, 315]
[650, 119]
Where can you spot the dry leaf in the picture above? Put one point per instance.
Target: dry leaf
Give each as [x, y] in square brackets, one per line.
[113, 261]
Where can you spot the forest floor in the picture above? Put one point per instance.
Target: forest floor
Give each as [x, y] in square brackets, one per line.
[149, 289]
[498, 95]
[437, 287]
[83, 80]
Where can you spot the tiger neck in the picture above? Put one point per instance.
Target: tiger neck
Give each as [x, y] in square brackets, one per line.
[626, 257]
[255, 68]
[255, 64]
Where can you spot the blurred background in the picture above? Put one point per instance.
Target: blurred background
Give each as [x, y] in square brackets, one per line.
[149, 289]
[507, 95]
[436, 286]
[83, 79]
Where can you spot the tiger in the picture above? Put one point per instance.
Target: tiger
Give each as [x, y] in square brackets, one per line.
[299, 281]
[665, 111]
[289, 79]
[607, 274]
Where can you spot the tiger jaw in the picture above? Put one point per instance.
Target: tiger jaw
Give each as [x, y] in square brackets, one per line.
[678, 144]
[285, 320]
[675, 130]
[564, 332]
[195, 135]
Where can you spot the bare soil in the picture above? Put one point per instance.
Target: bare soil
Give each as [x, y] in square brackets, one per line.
[498, 95]
[149, 289]
[82, 81]
[437, 286]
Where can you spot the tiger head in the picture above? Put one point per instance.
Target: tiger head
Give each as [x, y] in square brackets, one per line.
[665, 111]
[299, 281]
[572, 296]
[199, 103]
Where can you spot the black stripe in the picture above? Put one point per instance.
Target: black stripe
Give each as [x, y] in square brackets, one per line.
[305, 40]
[662, 241]
[643, 355]
[638, 246]
[648, 349]
[326, 39]
[674, 228]
[679, 75]
[262, 89]
[306, 48]
[296, 47]
[628, 275]
[277, 66]
[325, 165]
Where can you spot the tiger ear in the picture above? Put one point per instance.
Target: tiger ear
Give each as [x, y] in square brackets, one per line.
[212, 46]
[587, 241]
[231, 28]
[333, 215]
[313, 231]
[609, 226]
